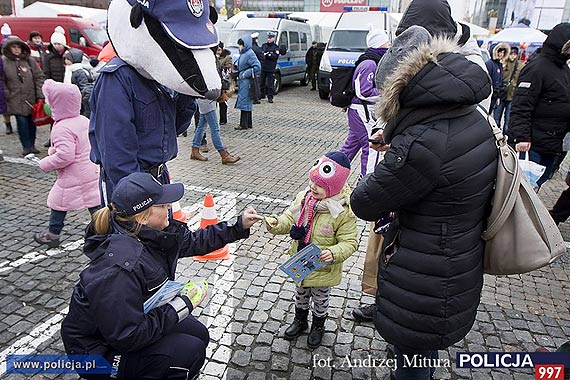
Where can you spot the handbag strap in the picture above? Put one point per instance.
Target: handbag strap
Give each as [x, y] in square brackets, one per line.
[495, 223]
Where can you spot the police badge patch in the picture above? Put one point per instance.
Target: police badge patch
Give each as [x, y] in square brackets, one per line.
[196, 7]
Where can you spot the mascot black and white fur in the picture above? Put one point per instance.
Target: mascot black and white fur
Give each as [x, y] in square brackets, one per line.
[168, 41]
[145, 97]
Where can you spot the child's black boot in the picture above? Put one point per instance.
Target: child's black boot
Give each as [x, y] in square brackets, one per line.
[317, 331]
[299, 324]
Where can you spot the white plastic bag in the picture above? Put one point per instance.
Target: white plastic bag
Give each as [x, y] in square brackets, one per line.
[531, 170]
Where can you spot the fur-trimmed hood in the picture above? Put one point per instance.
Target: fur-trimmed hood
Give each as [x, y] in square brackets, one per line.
[432, 80]
[497, 47]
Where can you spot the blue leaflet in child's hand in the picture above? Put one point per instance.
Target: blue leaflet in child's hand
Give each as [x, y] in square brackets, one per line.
[303, 263]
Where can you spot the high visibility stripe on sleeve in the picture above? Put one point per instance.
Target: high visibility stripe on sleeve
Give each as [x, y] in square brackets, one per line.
[180, 306]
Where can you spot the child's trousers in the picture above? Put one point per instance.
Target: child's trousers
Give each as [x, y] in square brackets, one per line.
[320, 296]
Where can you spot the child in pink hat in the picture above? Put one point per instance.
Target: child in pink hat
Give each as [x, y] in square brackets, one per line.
[321, 215]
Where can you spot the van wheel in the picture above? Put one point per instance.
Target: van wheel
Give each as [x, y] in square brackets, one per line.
[305, 80]
[323, 94]
[277, 83]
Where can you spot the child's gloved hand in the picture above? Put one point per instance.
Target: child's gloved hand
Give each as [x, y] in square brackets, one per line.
[250, 217]
[326, 256]
[271, 221]
[195, 291]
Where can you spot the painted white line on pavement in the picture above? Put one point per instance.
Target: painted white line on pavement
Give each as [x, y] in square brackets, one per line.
[232, 194]
[31, 341]
[36, 256]
[18, 160]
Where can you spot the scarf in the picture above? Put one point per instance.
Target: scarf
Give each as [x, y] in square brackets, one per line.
[305, 212]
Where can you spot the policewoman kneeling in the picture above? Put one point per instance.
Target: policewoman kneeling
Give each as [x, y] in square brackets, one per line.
[134, 247]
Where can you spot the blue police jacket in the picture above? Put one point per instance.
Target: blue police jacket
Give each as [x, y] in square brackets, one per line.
[106, 310]
[134, 121]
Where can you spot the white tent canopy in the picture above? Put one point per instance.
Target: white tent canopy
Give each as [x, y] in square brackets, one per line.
[476, 30]
[528, 35]
[41, 9]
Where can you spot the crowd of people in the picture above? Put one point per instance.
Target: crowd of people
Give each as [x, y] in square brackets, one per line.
[428, 160]
[25, 66]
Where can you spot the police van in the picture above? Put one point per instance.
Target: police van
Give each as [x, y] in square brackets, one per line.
[348, 40]
[293, 36]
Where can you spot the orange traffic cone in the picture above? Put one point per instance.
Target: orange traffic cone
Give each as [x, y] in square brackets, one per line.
[209, 217]
[177, 212]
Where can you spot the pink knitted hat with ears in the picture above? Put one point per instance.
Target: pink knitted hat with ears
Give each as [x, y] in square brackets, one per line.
[331, 172]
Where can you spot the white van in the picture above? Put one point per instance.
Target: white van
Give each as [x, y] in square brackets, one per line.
[293, 39]
[348, 40]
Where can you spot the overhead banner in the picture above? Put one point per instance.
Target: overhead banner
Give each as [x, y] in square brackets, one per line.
[338, 5]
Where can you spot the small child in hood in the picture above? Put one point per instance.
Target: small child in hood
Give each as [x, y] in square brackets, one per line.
[76, 73]
[321, 215]
[77, 183]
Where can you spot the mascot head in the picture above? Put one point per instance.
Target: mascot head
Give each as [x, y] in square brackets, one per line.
[168, 41]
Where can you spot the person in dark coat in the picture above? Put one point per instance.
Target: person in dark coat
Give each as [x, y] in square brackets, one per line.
[248, 66]
[3, 106]
[37, 48]
[313, 60]
[53, 66]
[23, 81]
[437, 178]
[259, 54]
[540, 112]
[270, 57]
[133, 248]
[495, 69]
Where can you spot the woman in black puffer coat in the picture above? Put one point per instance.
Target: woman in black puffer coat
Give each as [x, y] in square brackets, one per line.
[437, 176]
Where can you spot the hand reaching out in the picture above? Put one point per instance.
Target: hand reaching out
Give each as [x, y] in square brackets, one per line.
[378, 147]
[249, 217]
[271, 221]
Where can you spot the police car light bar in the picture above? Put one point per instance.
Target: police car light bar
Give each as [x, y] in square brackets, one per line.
[267, 15]
[363, 8]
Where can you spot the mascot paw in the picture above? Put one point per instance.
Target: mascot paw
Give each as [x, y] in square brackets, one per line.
[136, 16]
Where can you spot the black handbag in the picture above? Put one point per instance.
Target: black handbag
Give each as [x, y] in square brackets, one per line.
[254, 91]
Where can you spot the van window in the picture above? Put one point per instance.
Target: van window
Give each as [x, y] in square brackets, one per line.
[75, 35]
[294, 41]
[283, 40]
[304, 45]
[348, 40]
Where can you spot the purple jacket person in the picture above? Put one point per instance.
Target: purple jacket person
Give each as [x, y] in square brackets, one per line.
[361, 112]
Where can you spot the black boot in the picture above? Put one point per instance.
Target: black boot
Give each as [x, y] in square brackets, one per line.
[317, 331]
[9, 129]
[299, 324]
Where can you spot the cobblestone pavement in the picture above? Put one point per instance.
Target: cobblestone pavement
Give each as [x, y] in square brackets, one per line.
[251, 301]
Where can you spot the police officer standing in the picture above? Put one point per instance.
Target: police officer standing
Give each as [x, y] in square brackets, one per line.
[271, 55]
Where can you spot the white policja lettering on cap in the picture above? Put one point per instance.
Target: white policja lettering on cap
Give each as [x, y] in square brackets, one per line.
[524, 84]
[144, 3]
[142, 204]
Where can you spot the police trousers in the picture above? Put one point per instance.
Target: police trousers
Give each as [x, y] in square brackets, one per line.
[178, 355]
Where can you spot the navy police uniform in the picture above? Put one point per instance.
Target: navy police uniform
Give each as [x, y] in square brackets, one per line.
[271, 54]
[106, 311]
[134, 124]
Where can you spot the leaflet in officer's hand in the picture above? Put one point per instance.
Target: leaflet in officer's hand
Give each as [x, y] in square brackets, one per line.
[303, 263]
[164, 295]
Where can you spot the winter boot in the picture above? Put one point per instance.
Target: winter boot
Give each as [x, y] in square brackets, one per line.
[196, 155]
[227, 158]
[317, 331]
[9, 129]
[299, 324]
[46, 237]
[364, 313]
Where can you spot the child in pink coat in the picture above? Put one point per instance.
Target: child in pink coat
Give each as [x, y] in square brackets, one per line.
[76, 186]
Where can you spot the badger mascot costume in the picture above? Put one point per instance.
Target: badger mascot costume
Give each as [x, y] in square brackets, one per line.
[144, 97]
